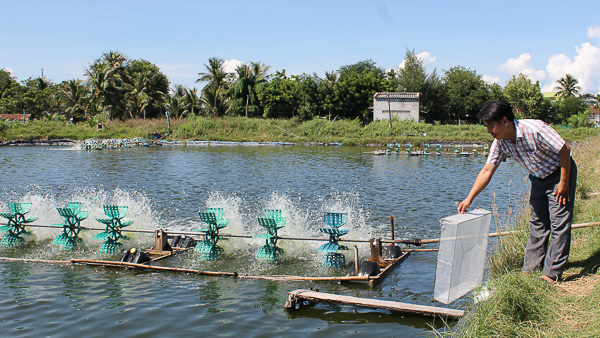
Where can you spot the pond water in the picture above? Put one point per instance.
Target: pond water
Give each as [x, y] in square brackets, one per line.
[166, 186]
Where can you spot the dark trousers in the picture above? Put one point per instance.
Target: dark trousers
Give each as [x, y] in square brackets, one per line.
[548, 218]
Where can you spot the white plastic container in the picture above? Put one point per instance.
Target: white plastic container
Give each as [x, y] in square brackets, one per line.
[461, 254]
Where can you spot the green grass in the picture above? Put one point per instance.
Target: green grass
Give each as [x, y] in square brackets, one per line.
[241, 129]
[520, 306]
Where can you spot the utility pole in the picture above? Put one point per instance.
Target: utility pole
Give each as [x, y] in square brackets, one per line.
[390, 109]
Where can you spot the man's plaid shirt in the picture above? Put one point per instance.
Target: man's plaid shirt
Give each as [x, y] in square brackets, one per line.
[537, 148]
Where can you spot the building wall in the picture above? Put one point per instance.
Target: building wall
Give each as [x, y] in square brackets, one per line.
[404, 106]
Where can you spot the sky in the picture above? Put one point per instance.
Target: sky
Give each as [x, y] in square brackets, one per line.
[543, 39]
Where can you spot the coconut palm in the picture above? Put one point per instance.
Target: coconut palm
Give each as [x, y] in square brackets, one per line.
[137, 95]
[75, 98]
[331, 77]
[243, 92]
[106, 77]
[214, 101]
[213, 94]
[215, 75]
[190, 102]
[567, 87]
[174, 107]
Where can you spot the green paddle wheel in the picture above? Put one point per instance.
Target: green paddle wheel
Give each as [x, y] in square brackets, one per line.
[272, 222]
[114, 225]
[73, 215]
[15, 227]
[332, 257]
[208, 248]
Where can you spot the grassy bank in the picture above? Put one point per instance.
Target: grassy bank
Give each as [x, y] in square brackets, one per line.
[265, 130]
[521, 305]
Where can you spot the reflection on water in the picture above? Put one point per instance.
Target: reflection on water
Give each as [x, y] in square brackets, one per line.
[167, 186]
[14, 281]
[271, 300]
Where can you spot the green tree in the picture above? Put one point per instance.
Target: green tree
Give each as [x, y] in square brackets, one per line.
[39, 97]
[568, 107]
[278, 96]
[106, 78]
[466, 93]
[148, 86]
[412, 77]
[74, 99]
[215, 74]
[190, 102]
[567, 87]
[355, 88]
[137, 94]
[243, 96]
[307, 95]
[526, 97]
[213, 95]
[214, 101]
[10, 94]
[327, 93]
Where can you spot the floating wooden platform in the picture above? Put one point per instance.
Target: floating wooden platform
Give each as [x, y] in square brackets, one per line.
[297, 297]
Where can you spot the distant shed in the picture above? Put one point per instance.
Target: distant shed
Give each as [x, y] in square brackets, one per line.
[404, 106]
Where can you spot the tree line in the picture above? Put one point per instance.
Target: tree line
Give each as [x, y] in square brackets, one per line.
[115, 87]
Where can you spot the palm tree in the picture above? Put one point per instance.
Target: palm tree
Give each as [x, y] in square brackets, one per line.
[190, 101]
[567, 87]
[260, 72]
[106, 77]
[243, 92]
[174, 107]
[213, 94]
[215, 74]
[331, 77]
[97, 75]
[138, 91]
[75, 98]
[214, 101]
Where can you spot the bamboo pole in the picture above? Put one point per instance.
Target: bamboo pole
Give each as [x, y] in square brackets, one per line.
[151, 267]
[417, 241]
[11, 259]
[215, 273]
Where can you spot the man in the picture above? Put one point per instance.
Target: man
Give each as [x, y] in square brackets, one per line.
[553, 173]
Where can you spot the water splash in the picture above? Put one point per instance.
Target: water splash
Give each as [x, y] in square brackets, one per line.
[44, 204]
[304, 218]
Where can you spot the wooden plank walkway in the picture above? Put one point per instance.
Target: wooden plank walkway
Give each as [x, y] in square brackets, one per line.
[296, 297]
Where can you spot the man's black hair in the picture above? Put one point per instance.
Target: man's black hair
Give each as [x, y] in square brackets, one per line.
[495, 111]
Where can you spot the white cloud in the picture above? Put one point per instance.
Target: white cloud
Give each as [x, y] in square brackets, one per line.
[10, 70]
[594, 32]
[523, 65]
[490, 79]
[512, 66]
[425, 57]
[230, 65]
[585, 67]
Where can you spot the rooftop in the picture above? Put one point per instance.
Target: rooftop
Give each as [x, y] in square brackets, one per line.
[405, 95]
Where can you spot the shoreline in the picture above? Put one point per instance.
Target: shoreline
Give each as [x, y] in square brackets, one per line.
[69, 142]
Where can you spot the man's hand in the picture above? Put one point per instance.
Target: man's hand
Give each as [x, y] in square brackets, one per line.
[462, 207]
[562, 193]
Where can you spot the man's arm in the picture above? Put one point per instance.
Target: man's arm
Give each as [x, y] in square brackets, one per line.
[483, 178]
[562, 189]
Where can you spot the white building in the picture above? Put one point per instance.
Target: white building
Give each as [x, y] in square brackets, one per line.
[403, 106]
